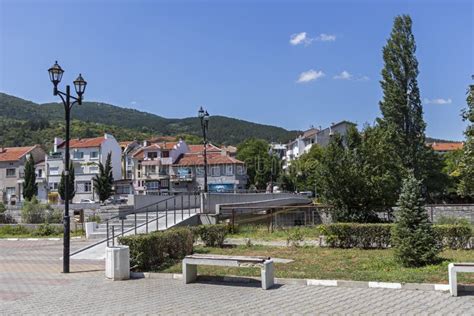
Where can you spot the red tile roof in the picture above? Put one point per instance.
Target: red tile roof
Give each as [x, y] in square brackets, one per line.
[14, 153]
[447, 146]
[156, 146]
[212, 159]
[84, 142]
[195, 149]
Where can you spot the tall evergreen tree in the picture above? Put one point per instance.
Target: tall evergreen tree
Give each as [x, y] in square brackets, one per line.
[103, 182]
[30, 187]
[62, 186]
[413, 236]
[402, 111]
[466, 174]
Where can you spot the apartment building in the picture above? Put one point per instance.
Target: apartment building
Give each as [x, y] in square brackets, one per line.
[85, 155]
[12, 172]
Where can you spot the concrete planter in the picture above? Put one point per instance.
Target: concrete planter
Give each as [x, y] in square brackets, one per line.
[90, 227]
[117, 263]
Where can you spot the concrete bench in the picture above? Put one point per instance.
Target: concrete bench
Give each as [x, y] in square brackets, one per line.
[453, 269]
[191, 262]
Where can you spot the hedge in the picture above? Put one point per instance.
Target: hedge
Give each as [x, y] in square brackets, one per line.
[211, 235]
[149, 252]
[354, 235]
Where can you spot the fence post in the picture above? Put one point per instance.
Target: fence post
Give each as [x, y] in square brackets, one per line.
[107, 228]
[182, 207]
[113, 236]
[189, 204]
[166, 214]
[122, 226]
[146, 220]
[157, 216]
[174, 210]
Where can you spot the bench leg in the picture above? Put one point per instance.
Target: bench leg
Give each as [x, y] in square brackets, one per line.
[267, 272]
[453, 283]
[189, 273]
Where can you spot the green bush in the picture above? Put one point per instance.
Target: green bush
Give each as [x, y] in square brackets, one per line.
[4, 217]
[3, 208]
[34, 212]
[213, 235]
[453, 236]
[47, 230]
[94, 218]
[295, 237]
[153, 251]
[14, 230]
[354, 235]
[53, 216]
[451, 220]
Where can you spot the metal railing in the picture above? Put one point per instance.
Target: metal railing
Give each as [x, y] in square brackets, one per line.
[175, 207]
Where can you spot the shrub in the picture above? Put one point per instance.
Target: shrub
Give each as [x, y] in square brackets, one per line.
[3, 208]
[153, 251]
[295, 237]
[413, 236]
[94, 218]
[213, 235]
[53, 216]
[34, 212]
[453, 236]
[14, 230]
[4, 217]
[47, 230]
[349, 235]
[451, 220]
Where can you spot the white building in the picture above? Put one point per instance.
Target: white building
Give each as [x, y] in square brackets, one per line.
[85, 154]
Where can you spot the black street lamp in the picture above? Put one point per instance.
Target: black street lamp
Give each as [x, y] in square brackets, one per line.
[55, 74]
[204, 116]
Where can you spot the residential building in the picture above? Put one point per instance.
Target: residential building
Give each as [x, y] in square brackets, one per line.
[444, 147]
[85, 155]
[152, 166]
[124, 186]
[303, 143]
[225, 173]
[12, 172]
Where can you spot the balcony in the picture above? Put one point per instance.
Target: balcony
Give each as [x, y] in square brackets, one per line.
[182, 178]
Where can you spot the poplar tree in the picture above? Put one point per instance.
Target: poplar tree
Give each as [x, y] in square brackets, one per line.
[103, 182]
[402, 111]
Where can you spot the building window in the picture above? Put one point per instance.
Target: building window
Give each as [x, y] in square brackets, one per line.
[54, 171]
[94, 154]
[153, 185]
[53, 186]
[11, 172]
[229, 170]
[11, 191]
[165, 154]
[199, 171]
[84, 187]
[39, 173]
[215, 171]
[93, 169]
[240, 170]
[78, 155]
[152, 155]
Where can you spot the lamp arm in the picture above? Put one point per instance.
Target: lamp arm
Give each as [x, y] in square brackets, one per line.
[64, 94]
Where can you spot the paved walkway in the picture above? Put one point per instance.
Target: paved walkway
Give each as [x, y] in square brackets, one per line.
[31, 283]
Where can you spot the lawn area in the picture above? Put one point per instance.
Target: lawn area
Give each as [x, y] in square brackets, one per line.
[338, 264]
[44, 231]
[260, 232]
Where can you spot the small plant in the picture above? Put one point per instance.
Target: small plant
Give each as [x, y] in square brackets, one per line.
[295, 237]
[33, 212]
[14, 230]
[47, 230]
[451, 220]
[53, 216]
[4, 217]
[248, 242]
[213, 235]
[94, 218]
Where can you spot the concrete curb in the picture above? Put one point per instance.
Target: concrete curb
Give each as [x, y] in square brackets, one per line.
[310, 282]
[37, 239]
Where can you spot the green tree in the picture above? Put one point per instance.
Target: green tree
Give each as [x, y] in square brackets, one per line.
[255, 153]
[30, 187]
[402, 112]
[62, 186]
[466, 167]
[413, 236]
[103, 182]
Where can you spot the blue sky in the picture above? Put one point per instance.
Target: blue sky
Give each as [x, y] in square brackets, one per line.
[286, 63]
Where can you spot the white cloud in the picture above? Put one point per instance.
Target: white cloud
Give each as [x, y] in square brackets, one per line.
[440, 101]
[326, 37]
[345, 75]
[310, 75]
[299, 38]
[303, 38]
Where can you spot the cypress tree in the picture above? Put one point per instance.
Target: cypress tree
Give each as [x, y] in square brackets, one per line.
[402, 111]
[413, 236]
[62, 187]
[103, 182]
[30, 187]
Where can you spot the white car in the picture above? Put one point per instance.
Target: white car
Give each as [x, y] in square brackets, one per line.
[87, 201]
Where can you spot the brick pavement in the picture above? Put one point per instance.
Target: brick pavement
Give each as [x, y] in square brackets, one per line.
[30, 283]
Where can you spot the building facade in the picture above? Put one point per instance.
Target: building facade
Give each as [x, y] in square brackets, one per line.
[12, 172]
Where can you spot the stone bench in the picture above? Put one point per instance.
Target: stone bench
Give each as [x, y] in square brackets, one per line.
[191, 262]
[453, 269]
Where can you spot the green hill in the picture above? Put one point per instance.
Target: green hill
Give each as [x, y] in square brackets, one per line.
[24, 123]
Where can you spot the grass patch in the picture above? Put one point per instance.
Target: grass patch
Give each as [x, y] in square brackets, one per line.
[339, 264]
[20, 231]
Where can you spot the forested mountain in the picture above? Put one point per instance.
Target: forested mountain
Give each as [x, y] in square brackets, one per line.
[24, 122]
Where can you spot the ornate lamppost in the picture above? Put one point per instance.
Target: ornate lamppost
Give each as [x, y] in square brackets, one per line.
[56, 74]
[204, 116]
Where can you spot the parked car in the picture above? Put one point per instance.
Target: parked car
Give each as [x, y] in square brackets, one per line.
[87, 201]
[116, 200]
